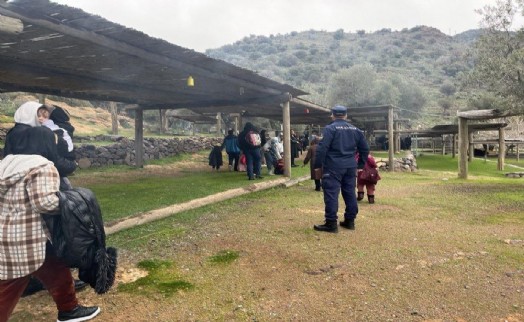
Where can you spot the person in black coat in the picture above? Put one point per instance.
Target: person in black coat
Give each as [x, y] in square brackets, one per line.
[249, 142]
[215, 157]
[19, 140]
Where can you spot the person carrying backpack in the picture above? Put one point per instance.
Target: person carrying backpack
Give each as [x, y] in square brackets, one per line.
[368, 178]
[232, 149]
[249, 142]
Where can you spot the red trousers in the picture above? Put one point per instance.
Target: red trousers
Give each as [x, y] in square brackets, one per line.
[369, 187]
[55, 276]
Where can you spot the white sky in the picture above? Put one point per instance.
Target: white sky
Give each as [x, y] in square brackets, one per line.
[206, 24]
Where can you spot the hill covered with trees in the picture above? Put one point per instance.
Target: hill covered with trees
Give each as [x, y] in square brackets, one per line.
[418, 69]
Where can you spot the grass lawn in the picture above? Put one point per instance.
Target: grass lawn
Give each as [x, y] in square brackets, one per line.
[432, 248]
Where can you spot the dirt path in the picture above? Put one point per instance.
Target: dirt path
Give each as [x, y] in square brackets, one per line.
[411, 258]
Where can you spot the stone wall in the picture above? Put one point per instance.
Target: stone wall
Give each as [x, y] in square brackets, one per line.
[123, 150]
[405, 164]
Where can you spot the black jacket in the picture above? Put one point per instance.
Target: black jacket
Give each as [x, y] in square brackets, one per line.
[244, 146]
[78, 237]
[24, 139]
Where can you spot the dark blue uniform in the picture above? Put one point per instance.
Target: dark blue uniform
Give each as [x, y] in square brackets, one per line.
[336, 156]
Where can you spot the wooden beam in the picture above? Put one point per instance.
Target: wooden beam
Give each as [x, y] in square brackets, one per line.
[471, 148]
[139, 138]
[391, 144]
[124, 48]
[10, 25]
[114, 117]
[502, 150]
[454, 146]
[287, 138]
[463, 148]
[484, 114]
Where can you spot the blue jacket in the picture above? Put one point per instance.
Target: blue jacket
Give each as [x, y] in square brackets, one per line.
[340, 141]
[231, 144]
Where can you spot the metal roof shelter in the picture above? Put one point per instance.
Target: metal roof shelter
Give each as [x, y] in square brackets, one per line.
[59, 50]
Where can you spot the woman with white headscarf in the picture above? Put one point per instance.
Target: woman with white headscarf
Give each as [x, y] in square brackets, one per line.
[20, 139]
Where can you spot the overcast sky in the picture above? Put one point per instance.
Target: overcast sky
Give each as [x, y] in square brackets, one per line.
[206, 24]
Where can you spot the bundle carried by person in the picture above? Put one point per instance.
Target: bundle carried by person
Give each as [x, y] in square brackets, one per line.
[78, 237]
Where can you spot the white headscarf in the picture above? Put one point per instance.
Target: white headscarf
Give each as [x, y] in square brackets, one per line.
[27, 114]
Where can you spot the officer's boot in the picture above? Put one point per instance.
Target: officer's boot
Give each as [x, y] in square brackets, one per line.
[328, 226]
[348, 224]
[360, 195]
[371, 198]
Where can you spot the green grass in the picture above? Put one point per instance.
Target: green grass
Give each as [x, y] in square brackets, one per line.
[138, 193]
[224, 257]
[162, 279]
[477, 167]
[118, 199]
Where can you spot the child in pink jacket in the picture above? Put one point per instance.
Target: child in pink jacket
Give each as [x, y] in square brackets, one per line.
[369, 182]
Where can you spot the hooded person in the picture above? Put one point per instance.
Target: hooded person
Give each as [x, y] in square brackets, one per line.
[29, 183]
[20, 139]
[249, 142]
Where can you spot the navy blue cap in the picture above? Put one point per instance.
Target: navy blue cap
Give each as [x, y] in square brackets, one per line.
[339, 110]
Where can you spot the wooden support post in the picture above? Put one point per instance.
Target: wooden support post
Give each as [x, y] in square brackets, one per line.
[443, 145]
[463, 148]
[139, 137]
[471, 147]
[219, 124]
[502, 150]
[236, 124]
[41, 98]
[114, 118]
[396, 138]
[163, 121]
[453, 146]
[433, 145]
[390, 138]
[287, 137]
[517, 152]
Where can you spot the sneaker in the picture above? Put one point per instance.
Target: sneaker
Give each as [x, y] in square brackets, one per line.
[348, 224]
[259, 177]
[79, 313]
[230, 168]
[80, 285]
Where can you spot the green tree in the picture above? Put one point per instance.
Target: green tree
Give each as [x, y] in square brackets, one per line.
[352, 86]
[385, 93]
[448, 89]
[499, 55]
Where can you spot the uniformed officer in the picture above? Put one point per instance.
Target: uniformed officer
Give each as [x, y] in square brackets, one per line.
[336, 156]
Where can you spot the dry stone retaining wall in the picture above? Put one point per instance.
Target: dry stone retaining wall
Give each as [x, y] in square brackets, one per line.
[123, 151]
[405, 164]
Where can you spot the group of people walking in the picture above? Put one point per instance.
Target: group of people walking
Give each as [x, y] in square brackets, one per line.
[38, 160]
[254, 146]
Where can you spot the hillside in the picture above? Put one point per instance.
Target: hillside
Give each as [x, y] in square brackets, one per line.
[87, 119]
[422, 56]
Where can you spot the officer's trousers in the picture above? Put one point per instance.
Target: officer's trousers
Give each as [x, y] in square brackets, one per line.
[333, 182]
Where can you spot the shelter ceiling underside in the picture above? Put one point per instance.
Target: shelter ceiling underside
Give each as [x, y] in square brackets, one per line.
[66, 52]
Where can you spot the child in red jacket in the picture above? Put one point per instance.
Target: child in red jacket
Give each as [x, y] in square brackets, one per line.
[368, 178]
